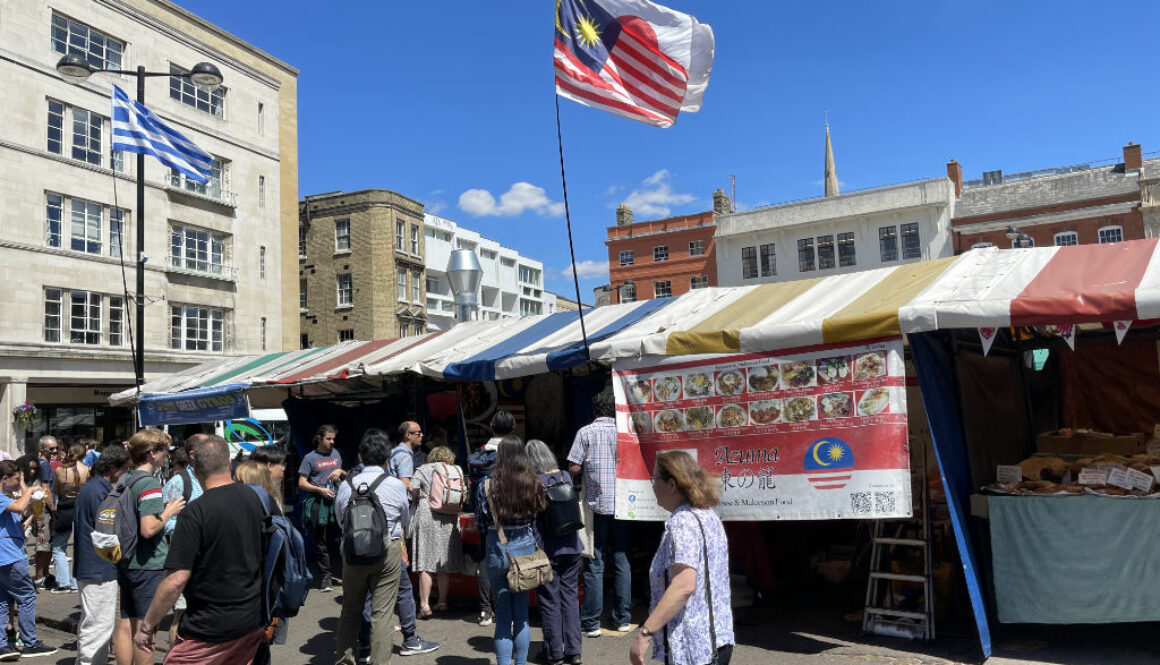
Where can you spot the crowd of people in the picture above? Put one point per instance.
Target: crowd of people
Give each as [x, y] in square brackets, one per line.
[201, 533]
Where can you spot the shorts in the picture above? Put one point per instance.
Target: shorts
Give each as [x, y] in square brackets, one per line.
[137, 590]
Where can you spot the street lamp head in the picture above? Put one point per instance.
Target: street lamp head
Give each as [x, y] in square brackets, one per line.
[74, 68]
[206, 76]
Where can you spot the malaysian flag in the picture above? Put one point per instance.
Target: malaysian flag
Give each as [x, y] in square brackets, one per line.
[633, 58]
[829, 463]
[137, 130]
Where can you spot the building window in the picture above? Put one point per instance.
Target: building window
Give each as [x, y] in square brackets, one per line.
[261, 262]
[911, 248]
[768, 260]
[846, 249]
[53, 212]
[400, 234]
[261, 119]
[212, 188]
[1027, 241]
[404, 329]
[341, 235]
[345, 291]
[84, 321]
[185, 91]
[699, 282]
[262, 332]
[101, 50]
[401, 278]
[52, 307]
[1066, 238]
[197, 250]
[262, 191]
[346, 335]
[661, 253]
[805, 254]
[302, 295]
[415, 239]
[508, 263]
[662, 289]
[626, 258]
[304, 341]
[301, 242]
[84, 131]
[748, 262]
[1111, 234]
[530, 307]
[85, 227]
[888, 243]
[116, 232]
[825, 252]
[697, 248]
[417, 287]
[432, 285]
[195, 328]
[628, 293]
[529, 275]
[487, 254]
[116, 321]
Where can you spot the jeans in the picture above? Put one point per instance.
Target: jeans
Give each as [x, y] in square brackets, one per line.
[97, 622]
[64, 579]
[322, 551]
[560, 608]
[405, 603]
[381, 580]
[512, 633]
[609, 535]
[483, 587]
[16, 586]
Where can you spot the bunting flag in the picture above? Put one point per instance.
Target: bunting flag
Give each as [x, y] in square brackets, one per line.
[634, 58]
[987, 337]
[1121, 328]
[137, 130]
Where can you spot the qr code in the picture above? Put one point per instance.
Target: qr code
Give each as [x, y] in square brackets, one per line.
[860, 503]
[884, 502]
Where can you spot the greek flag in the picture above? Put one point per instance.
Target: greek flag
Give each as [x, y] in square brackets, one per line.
[137, 130]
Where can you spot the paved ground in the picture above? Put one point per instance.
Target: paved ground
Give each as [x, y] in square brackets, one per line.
[766, 636]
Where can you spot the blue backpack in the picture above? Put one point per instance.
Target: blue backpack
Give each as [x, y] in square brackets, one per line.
[285, 577]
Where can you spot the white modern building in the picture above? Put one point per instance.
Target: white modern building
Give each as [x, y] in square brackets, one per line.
[840, 233]
[217, 253]
[512, 285]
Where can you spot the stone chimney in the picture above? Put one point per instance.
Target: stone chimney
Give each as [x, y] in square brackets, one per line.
[721, 203]
[955, 173]
[623, 215]
[1133, 159]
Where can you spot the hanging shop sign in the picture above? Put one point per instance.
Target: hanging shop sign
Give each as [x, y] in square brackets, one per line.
[204, 405]
[816, 434]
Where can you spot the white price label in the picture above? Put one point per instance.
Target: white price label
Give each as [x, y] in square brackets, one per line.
[1009, 473]
[1140, 480]
[1090, 476]
[1119, 478]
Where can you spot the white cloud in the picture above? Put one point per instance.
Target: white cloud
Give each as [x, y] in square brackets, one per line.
[518, 199]
[655, 197]
[435, 207]
[588, 269]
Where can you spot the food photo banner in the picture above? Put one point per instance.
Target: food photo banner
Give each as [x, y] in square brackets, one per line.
[815, 434]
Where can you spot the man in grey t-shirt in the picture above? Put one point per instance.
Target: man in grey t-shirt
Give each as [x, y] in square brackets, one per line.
[318, 475]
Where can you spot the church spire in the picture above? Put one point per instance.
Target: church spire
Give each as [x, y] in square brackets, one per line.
[831, 170]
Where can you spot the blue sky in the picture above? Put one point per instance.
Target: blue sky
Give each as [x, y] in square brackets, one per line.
[439, 99]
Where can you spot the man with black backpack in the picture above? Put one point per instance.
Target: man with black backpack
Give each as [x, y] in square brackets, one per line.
[216, 561]
[372, 511]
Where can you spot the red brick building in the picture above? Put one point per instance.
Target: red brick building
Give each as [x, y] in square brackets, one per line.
[1072, 205]
[664, 257]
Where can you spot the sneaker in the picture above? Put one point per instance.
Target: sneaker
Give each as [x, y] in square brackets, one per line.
[595, 632]
[417, 645]
[38, 649]
[326, 589]
[336, 581]
[574, 659]
[624, 628]
[62, 589]
[8, 654]
[486, 619]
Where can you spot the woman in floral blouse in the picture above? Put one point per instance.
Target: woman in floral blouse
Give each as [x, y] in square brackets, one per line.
[683, 610]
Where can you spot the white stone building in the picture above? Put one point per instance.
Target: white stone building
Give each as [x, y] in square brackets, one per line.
[840, 233]
[512, 285]
[217, 253]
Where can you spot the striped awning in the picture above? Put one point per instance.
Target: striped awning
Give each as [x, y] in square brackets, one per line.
[981, 288]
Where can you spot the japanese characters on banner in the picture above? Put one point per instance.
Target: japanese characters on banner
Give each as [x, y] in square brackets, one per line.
[819, 434]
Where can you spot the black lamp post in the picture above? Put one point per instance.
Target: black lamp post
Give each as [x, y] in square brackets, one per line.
[74, 68]
[1018, 238]
[619, 296]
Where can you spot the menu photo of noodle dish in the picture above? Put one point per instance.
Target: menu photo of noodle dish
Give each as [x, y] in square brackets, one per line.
[667, 388]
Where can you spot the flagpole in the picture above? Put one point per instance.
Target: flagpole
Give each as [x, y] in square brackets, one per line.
[568, 221]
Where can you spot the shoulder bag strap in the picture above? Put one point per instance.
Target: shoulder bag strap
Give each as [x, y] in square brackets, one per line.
[494, 515]
[708, 589]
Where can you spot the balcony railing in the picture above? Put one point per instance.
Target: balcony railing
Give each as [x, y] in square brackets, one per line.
[210, 191]
[184, 266]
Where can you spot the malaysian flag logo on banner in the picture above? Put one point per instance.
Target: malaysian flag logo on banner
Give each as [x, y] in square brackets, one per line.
[829, 463]
[633, 58]
[137, 130]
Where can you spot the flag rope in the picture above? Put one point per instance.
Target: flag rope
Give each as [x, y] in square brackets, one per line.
[568, 222]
